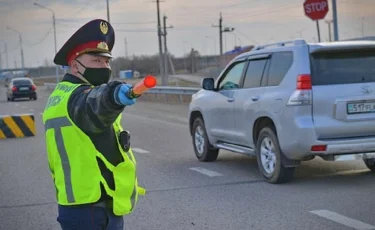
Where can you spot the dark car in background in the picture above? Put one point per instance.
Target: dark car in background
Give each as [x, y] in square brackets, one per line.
[21, 88]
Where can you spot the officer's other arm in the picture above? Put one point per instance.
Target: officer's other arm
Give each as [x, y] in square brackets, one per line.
[94, 109]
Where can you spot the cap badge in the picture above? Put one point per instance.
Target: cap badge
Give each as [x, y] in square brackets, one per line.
[104, 27]
[103, 46]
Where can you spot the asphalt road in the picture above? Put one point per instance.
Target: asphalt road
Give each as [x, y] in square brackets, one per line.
[182, 192]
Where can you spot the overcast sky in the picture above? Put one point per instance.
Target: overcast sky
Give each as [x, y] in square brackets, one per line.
[255, 22]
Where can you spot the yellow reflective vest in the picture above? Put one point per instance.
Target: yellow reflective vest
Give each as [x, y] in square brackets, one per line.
[72, 158]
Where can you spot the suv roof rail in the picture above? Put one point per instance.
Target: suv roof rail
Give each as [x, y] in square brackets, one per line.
[294, 42]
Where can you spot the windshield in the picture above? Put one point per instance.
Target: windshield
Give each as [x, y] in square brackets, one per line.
[22, 82]
[343, 67]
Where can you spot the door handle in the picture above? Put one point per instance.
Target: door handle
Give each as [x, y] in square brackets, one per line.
[230, 99]
[255, 98]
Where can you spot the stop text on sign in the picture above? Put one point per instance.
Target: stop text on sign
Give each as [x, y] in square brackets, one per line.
[316, 7]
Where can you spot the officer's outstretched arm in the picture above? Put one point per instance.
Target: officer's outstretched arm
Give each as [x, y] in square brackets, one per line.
[94, 109]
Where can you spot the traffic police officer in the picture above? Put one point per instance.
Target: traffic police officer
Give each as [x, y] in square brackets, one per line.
[91, 162]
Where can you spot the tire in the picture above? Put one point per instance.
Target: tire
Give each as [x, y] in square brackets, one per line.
[203, 149]
[370, 163]
[279, 174]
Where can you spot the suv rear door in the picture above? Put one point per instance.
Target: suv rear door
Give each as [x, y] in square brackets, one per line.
[343, 86]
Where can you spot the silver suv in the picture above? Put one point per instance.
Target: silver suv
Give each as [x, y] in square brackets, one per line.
[289, 102]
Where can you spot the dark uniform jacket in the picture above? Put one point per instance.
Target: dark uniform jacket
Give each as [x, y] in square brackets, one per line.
[94, 111]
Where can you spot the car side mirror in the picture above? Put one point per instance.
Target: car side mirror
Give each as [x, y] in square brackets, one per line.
[208, 83]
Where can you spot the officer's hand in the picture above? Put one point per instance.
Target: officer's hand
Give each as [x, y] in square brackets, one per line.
[121, 97]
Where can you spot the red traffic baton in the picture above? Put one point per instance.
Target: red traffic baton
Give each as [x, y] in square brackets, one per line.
[138, 89]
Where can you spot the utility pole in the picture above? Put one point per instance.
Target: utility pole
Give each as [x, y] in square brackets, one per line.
[162, 72]
[335, 25]
[166, 54]
[126, 48]
[220, 33]
[108, 11]
[6, 55]
[22, 57]
[165, 46]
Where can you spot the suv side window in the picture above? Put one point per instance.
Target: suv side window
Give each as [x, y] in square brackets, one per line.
[280, 63]
[232, 78]
[254, 73]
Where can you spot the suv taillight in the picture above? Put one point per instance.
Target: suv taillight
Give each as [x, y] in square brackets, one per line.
[14, 89]
[304, 82]
[302, 95]
[33, 87]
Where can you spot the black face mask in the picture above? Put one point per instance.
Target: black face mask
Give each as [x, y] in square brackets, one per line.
[96, 76]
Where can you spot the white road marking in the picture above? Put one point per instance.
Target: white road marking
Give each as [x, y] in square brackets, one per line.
[16, 104]
[138, 150]
[342, 219]
[31, 110]
[24, 107]
[206, 172]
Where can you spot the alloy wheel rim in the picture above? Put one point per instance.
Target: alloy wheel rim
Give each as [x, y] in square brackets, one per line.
[199, 140]
[268, 155]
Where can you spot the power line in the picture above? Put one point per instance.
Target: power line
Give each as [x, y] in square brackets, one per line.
[136, 31]
[133, 23]
[42, 39]
[267, 11]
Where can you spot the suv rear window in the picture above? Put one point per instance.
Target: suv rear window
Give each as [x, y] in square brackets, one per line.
[343, 67]
[21, 82]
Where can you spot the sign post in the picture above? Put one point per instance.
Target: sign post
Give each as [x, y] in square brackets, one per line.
[316, 10]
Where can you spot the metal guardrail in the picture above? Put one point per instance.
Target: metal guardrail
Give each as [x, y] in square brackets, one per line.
[156, 90]
[173, 90]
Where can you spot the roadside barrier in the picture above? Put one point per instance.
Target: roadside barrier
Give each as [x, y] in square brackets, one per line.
[17, 126]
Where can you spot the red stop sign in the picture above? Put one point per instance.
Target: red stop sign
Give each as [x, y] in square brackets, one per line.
[316, 9]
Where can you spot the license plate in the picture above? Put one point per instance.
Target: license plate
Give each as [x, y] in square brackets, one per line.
[24, 88]
[365, 107]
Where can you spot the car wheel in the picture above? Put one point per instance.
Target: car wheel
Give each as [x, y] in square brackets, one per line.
[204, 151]
[370, 163]
[269, 158]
